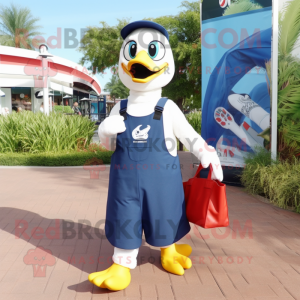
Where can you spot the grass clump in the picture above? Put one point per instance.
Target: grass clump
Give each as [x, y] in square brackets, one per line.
[37, 133]
[54, 159]
[63, 109]
[279, 181]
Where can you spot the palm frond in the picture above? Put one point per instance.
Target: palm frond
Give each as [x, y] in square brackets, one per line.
[289, 27]
[241, 6]
[17, 24]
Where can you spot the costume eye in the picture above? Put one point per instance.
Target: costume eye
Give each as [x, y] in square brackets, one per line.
[130, 50]
[156, 50]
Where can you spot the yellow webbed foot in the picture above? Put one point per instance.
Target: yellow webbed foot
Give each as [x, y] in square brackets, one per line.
[115, 278]
[174, 258]
[184, 249]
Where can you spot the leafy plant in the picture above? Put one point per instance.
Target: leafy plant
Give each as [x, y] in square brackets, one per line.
[63, 109]
[194, 118]
[93, 147]
[250, 177]
[289, 28]
[116, 88]
[184, 32]
[55, 159]
[289, 139]
[240, 6]
[18, 27]
[29, 132]
[282, 184]
[255, 164]
[101, 48]
[260, 157]
[288, 82]
[278, 181]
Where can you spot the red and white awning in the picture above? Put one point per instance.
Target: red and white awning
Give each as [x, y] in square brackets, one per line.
[23, 68]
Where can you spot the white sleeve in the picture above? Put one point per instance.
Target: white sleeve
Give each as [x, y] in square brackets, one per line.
[109, 141]
[185, 132]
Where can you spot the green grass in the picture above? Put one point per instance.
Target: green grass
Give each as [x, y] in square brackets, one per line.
[260, 157]
[255, 164]
[282, 184]
[279, 181]
[28, 139]
[63, 109]
[36, 133]
[54, 159]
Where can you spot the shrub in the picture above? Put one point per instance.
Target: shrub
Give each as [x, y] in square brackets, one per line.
[10, 132]
[195, 118]
[63, 109]
[289, 139]
[251, 176]
[94, 147]
[279, 181]
[29, 132]
[282, 184]
[259, 157]
[54, 159]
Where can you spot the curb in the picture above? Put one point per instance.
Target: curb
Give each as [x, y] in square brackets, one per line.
[267, 201]
[43, 167]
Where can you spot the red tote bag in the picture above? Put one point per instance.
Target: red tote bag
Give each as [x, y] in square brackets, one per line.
[206, 202]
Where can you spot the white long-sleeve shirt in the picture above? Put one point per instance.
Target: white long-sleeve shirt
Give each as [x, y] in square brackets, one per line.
[174, 122]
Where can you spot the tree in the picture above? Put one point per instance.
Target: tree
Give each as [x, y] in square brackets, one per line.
[101, 48]
[184, 32]
[18, 27]
[116, 88]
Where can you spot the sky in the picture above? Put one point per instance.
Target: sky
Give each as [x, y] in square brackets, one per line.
[63, 15]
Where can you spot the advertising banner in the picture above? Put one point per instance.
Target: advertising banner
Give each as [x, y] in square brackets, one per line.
[236, 50]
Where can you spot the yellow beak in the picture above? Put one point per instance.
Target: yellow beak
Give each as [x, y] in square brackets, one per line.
[143, 69]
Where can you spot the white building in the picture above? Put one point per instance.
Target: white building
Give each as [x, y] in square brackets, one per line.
[21, 79]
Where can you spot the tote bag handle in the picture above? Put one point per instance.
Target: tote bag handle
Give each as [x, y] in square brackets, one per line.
[200, 168]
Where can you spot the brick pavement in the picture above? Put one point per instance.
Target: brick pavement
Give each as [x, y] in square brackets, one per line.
[257, 257]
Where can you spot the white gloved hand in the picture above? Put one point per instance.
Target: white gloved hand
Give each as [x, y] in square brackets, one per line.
[112, 126]
[209, 156]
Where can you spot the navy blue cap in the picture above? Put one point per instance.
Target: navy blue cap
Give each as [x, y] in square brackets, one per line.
[142, 24]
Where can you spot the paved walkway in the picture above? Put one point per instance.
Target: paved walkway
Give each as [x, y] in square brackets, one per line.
[257, 257]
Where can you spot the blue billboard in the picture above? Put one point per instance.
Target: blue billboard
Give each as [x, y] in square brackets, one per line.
[235, 86]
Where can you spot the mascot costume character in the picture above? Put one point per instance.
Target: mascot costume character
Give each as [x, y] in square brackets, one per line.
[145, 192]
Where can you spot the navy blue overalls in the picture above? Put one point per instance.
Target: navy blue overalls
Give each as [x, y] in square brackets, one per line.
[145, 185]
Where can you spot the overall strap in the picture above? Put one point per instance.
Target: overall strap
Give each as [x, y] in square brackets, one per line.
[123, 108]
[159, 108]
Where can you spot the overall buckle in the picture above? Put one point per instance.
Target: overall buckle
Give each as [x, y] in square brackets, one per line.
[123, 112]
[158, 110]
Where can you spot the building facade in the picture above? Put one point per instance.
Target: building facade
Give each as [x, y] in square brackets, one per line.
[22, 78]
